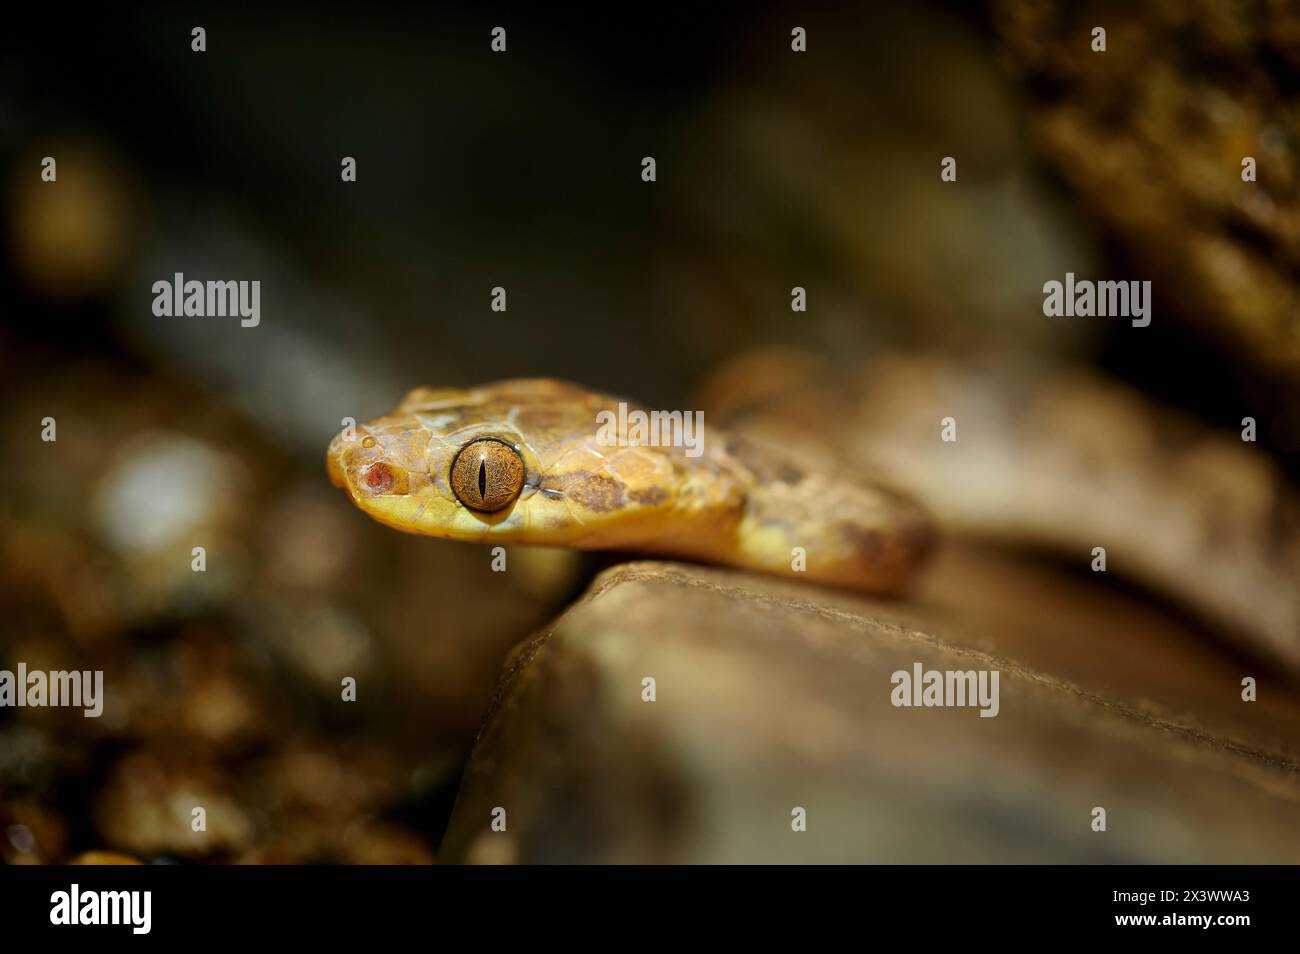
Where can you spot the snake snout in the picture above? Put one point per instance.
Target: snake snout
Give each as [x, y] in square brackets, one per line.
[366, 465]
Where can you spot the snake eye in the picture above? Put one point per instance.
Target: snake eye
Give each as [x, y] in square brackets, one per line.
[487, 474]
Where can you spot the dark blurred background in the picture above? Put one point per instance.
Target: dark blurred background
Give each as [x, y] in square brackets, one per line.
[522, 170]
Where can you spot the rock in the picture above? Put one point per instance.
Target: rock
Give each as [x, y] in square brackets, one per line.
[771, 698]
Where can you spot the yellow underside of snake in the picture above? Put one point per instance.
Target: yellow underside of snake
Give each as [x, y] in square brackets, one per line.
[547, 463]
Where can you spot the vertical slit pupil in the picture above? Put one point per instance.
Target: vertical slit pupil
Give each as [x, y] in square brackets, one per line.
[482, 479]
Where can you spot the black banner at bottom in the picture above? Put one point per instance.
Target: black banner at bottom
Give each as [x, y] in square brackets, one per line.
[306, 904]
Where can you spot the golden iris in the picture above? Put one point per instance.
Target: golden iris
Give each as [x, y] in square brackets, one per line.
[487, 474]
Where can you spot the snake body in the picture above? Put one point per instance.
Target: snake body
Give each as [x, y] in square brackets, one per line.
[1059, 461]
[441, 463]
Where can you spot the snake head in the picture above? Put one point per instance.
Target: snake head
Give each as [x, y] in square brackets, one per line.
[407, 470]
[527, 461]
[516, 460]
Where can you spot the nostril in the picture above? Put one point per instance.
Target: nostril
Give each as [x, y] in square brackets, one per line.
[379, 478]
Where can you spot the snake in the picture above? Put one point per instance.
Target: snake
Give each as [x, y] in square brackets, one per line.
[538, 462]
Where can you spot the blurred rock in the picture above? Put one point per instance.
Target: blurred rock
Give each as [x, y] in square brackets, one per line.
[164, 489]
[30, 833]
[1151, 135]
[148, 804]
[103, 858]
[772, 697]
[224, 688]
